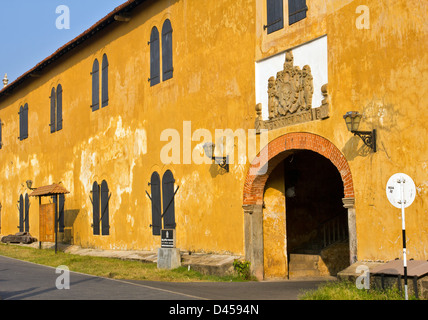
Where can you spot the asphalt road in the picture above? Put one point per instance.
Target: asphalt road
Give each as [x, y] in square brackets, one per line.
[27, 281]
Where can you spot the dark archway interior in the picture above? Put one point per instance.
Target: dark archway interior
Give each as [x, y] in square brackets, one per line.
[315, 216]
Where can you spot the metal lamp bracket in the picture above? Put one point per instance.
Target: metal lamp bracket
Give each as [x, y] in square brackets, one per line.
[223, 162]
[368, 137]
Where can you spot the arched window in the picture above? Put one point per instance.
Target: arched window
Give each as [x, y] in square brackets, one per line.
[104, 89]
[96, 208]
[56, 109]
[53, 110]
[156, 204]
[95, 85]
[26, 121]
[154, 57]
[167, 61]
[105, 197]
[23, 122]
[27, 213]
[168, 195]
[59, 108]
[61, 204]
[21, 214]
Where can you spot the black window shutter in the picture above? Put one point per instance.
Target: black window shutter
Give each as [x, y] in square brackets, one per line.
[104, 89]
[167, 65]
[53, 108]
[96, 208]
[55, 202]
[154, 57]
[275, 15]
[25, 122]
[27, 213]
[296, 10]
[95, 86]
[105, 209]
[21, 214]
[156, 204]
[21, 122]
[61, 203]
[168, 200]
[59, 108]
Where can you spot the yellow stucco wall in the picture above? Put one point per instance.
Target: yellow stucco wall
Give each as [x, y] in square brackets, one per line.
[121, 143]
[378, 72]
[274, 227]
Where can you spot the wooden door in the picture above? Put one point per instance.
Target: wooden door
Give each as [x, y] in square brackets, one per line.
[47, 223]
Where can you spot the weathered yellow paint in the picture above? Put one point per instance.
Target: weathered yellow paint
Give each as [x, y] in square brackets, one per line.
[380, 72]
[121, 143]
[274, 227]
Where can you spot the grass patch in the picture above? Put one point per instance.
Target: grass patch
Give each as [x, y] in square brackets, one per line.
[346, 290]
[108, 267]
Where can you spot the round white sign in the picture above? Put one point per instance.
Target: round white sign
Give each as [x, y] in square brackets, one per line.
[394, 193]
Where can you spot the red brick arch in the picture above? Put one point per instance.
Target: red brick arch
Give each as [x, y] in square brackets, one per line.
[277, 152]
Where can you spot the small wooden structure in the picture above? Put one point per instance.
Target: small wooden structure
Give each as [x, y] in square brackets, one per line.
[48, 219]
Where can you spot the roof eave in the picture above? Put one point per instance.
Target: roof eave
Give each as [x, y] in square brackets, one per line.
[89, 33]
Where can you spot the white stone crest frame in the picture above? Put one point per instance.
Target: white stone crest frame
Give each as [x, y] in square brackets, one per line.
[313, 53]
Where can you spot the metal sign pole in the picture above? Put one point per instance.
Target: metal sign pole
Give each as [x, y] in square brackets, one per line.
[402, 197]
[402, 181]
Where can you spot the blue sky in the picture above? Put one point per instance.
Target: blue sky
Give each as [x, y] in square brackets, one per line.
[28, 32]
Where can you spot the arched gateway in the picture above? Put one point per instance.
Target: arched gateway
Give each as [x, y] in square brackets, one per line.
[278, 151]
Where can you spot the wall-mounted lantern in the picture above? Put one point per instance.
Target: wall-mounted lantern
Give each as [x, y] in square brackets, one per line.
[353, 119]
[30, 184]
[209, 150]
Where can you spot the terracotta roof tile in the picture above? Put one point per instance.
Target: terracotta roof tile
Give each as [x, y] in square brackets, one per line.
[49, 191]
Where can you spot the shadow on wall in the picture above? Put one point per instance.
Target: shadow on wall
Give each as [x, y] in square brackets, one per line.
[216, 170]
[380, 115]
[69, 219]
[351, 150]
[335, 258]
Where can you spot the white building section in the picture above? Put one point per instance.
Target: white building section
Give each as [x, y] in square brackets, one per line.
[313, 53]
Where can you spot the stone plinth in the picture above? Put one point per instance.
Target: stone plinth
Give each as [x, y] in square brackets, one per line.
[169, 258]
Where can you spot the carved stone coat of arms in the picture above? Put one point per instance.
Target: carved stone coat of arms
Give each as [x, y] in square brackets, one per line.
[292, 89]
[290, 97]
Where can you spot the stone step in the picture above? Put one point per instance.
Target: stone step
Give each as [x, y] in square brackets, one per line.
[304, 265]
[304, 274]
[303, 257]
